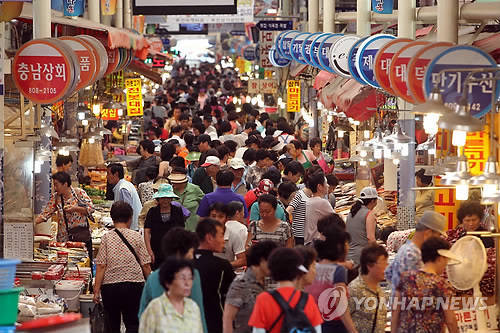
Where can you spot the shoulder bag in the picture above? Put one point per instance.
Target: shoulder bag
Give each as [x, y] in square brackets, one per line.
[124, 240]
[76, 234]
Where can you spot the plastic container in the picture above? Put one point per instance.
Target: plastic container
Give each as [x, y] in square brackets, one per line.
[8, 272]
[86, 305]
[9, 298]
[70, 290]
[7, 329]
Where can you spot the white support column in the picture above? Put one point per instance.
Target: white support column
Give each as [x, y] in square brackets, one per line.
[312, 15]
[286, 7]
[363, 18]
[119, 14]
[328, 15]
[42, 19]
[94, 8]
[447, 21]
[127, 14]
[406, 18]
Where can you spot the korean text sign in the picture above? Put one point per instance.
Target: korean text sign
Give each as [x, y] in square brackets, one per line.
[134, 97]
[293, 95]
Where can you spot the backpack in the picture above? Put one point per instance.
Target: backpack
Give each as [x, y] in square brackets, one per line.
[295, 320]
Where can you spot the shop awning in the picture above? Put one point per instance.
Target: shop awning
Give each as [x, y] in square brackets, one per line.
[141, 68]
[116, 37]
[322, 79]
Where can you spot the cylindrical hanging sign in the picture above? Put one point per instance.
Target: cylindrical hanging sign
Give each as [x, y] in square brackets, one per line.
[383, 62]
[277, 42]
[315, 51]
[366, 55]
[382, 6]
[100, 52]
[417, 66]
[249, 52]
[339, 54]
[108, 7]
[113, 59]
[86, 59]
[451, 83]
[296, 50]
[286, 43]
[324, 51]
[42, 71]
[307, 47]
[352, 61]
[277, 60]
[74, 7]
[399, 69]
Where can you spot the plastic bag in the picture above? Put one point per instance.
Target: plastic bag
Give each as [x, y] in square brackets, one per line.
[98, 319]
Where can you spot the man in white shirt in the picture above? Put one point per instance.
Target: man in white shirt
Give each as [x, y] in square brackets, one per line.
[235, 235]
[176, 133]
[317, 206]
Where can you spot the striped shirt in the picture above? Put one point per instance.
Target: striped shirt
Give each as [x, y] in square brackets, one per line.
[280, 235]
[299, 213]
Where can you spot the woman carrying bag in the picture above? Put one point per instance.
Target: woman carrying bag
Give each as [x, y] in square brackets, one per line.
[122, 266]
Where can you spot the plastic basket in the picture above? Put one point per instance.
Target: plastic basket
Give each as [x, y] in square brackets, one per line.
[9, 299]
[8, 272]
[7, 329]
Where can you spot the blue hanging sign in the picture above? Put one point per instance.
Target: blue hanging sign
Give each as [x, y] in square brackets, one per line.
[315, 49]
[307, 46]
[286, 43]
[249, 52]
[382, 6]
[296, 50]
[324, 51]
[277, 41]
[451, 84]
[276, 60]
[352, 60]
[74, 7]
[365, 57]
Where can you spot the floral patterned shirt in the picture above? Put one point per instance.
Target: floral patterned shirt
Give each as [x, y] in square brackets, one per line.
[146, 191]
[367, 318]
[408, 258]
[78, 198]
[424, 315]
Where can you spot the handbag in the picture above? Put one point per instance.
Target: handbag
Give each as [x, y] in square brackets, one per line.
[76, 234]
[124, 240]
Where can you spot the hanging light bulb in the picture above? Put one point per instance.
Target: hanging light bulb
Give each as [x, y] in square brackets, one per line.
[363, 153]
[254, 100]
[81, 115]
[377, 153]
[404, 149]
[459, 138]
[85, 122]
[431, 123]
[341, 134]
[432, 151]
[362, 163]
[120, 112]
[96, 109]
[489, 190]
[366, 134]
[462, 191]
[395, 161]
[91, 140]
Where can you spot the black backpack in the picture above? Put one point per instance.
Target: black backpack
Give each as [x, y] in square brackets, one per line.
[295, 319]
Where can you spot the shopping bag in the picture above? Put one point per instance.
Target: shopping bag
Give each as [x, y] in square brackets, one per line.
[98, 319]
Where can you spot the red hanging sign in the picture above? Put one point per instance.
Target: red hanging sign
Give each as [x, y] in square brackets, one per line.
[382, 62]
[86, 59]
[42, 71]
[109, 114]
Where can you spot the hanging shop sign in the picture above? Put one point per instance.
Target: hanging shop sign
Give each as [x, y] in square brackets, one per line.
[134, 97]
[101, 55]
[274, 25]
[86, 59]
[253, 86]
[399, 69]
[324, 51]
[277, 42]
[45, 70]
[383, 62]
[73, 7]
[249, 52]
[293, 95]
[339, 53]
[113, 55]
[109, 114]
[382, 6]
[296, 48]
[477, 150]
[265, 44]
[258, 86]
[307, 46]
[451, 83]
[366, 55]
[315, 50]
[286, 43]
[108, 7]
[418, 65]
[352, 60]
[277, 60]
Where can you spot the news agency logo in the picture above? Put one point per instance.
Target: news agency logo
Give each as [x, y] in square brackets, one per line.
[333, 302]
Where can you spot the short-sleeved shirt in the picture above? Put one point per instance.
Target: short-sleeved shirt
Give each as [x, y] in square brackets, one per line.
[366, 318]
[408, 258]
[235, 237]
[280, 235]
[242, 294]
[266, 310]
[224, 195]
[161, 317]
[429, 289]
[121, 265]
[316, 209]
[299, 213]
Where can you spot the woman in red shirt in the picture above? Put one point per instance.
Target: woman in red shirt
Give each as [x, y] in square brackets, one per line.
[266, 311]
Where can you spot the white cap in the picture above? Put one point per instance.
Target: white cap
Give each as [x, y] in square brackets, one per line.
[368, 193]
[236, 163]
[211, 160]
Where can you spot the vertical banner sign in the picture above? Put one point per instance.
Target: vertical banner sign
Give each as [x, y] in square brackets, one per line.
[74, 7]
[139, 23]
[382, 6]
[266, 42]
[108, 7]
[293, 95]
[476, 149]
[134, 97]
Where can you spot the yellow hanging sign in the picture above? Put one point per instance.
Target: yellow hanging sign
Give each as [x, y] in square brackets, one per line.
[293, 96]
[134, 97]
